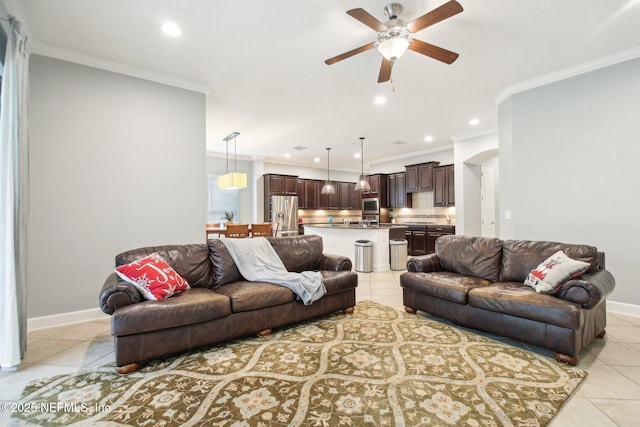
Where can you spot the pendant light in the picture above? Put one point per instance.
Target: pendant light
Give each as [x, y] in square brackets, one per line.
[233, 180]
[328, 188]
[362, 184]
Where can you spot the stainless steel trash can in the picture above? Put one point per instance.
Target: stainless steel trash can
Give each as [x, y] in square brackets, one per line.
[364, 256]
[398, 254]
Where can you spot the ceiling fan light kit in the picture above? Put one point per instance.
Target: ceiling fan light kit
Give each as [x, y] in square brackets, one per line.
[394, 36]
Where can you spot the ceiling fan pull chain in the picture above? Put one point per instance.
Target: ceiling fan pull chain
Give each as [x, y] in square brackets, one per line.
[393, 86]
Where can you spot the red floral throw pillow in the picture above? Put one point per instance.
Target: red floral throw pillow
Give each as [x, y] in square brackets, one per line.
[153, 277]
[548, 277]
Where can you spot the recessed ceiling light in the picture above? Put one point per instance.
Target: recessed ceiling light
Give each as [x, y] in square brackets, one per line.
[380, 100]
[172, 29]
[316, 159]
[474, 122]
[356, 155]
[428, 138]
[287, 155]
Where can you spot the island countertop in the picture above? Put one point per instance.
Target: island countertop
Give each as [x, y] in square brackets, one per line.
[340, 239]
[355, 226]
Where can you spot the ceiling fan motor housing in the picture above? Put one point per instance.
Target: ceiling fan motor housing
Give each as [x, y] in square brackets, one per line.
[393, 10]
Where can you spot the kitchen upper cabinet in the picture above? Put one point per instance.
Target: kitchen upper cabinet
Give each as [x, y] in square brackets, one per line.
[356, 197]
[397, 191]
[329, 201]
[345, 193]
[420, 177]
[378, 183]
[307, 193]
[280, 185]
[444, 186]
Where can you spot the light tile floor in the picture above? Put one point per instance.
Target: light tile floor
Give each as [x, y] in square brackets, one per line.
[609, 397]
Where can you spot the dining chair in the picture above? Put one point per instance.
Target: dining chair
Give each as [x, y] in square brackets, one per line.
[211, 225]
[263, 229]
[237, 231]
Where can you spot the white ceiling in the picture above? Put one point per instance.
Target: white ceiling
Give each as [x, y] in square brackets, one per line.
[261, 64]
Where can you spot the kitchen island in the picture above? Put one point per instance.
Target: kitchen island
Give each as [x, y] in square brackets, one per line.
[340, 240]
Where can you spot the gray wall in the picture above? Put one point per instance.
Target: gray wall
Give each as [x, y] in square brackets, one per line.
[115, 163]
[569, 157]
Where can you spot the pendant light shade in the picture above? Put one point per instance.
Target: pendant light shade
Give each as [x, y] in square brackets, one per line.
[233, 180]
[362, 184]
[328, 188]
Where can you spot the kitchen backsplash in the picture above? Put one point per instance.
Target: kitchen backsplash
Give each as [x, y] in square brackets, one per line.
[321, 216]
[423, 211]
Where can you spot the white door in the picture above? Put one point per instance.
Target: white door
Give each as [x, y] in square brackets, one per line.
[487, 201]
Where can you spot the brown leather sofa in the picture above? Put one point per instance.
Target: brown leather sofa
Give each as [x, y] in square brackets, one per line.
[479, 282]
[220, 304]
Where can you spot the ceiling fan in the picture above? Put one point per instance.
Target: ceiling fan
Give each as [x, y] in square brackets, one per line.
[394, 36]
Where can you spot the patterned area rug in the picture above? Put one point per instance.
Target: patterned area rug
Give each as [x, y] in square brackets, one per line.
[377, 367]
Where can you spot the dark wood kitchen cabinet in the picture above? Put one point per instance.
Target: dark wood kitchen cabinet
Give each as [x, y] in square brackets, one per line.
[416, 236]
[307, 193]
[444, 186]
[435, 231]
[329, 201]
[397, 196]
[280, 185]
[378, 183]
[348, 198]
[420, 177]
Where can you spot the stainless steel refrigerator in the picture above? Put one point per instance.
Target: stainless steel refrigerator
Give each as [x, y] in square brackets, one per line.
[284, 211]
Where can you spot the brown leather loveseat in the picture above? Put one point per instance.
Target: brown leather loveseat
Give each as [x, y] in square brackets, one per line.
[479, 282]
[220, 304]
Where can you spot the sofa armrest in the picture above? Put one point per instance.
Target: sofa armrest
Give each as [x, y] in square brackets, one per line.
[334, 263]
[117, 293]
[424, 263]
[589, 289]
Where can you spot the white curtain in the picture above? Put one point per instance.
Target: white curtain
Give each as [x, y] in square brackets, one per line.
[14, 168]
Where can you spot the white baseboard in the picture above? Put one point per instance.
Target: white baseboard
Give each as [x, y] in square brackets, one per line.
[35, 323]
[623, 308]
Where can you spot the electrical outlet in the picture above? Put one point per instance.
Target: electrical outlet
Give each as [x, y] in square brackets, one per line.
[507, 214]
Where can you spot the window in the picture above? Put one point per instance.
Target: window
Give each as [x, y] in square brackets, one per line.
[221, 201]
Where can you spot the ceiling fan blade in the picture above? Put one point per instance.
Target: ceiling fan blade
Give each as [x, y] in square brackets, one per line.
[367, 19]
[385, 71]
[434, 52]
[445, 11]
[349, 54]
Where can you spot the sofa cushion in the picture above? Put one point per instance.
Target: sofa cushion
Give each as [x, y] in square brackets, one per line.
[247, 296]
[519, 257]
[189, 261]
[472, 256]
[298, 253]
[192, 306]
[548, 277]
[445, 285]
[223, 269]
[153, 277]
[519, 300]
[339, 281]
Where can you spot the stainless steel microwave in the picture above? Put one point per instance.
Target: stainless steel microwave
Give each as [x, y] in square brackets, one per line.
[371, 206]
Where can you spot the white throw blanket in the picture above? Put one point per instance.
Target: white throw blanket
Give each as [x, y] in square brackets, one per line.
[257, 261]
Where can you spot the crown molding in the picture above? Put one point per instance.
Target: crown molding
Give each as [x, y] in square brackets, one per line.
[90, 61]
[566, 73]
